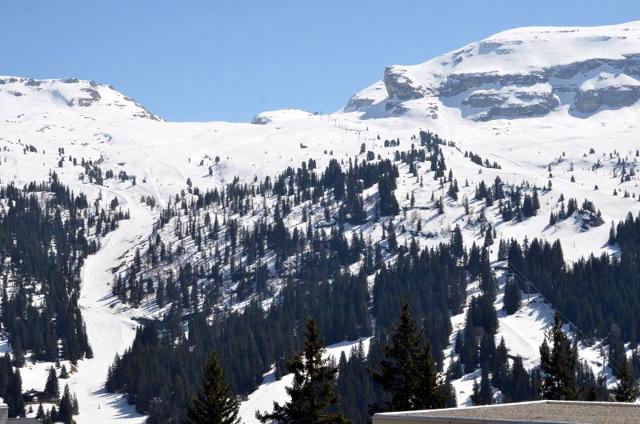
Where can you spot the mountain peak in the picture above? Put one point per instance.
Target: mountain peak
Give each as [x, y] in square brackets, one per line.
[28, 95]
[519, 73]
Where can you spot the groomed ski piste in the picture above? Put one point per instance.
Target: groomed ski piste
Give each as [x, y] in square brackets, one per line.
[110, 327]
[163, 155]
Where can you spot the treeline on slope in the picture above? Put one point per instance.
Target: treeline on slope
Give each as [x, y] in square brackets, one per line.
[561, 375]
[238, 254]
[236, 230]
[406, 378]
[250, 342]
[311, 262]
[599, 294]
[45, 233]
[159, 375]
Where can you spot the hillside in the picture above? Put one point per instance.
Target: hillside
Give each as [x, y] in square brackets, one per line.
[530, 133]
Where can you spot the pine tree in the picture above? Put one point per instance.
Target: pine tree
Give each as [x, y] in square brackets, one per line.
[51, 388]
[612, 235]
[617, 353]
[52, 415]
[430, 393]
[559, 365]
[469, 354]
[40, 414]
[476, 398]
[408, 372]
[214, 403]
[65, 414]
[398, 368]
[64, 374]
[313, 390]
[486, 392]
[627, 389]
[457, 244]
[13, 396]
[511, 297]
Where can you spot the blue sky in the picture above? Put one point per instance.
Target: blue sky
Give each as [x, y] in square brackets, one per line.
[227, 60]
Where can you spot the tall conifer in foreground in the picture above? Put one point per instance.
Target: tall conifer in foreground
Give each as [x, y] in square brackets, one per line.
[408, 372]
[214, 403]
[559, 364]
[313, 390]
[627, 389]
[431, 393]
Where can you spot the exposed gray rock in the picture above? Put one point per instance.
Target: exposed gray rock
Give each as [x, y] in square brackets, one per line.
[535, 106]
[492, 95]
[613, 97]
[399, 86]
[260, 120]
[483, 89]
[357, 103]
[395, 108]
[33, 83]
[571, 70]
[94, 96]
[484, 99]
[497, 47]
[459, 83]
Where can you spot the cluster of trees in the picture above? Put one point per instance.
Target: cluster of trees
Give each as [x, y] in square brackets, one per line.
[67, 408]
[564, 377]
[230, 251]
[572, 206]
[45, 233]
[434, 282]
[595, 292]
[511, 201]
[311, 261]
[155, 368]
[248, 342]
[11, 387]
[477, 159]
[158, 374]
[405, 378]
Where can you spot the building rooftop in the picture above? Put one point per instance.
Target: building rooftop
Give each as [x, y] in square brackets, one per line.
[546, 411]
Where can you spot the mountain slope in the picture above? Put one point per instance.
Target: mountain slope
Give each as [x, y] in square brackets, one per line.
[555, 109]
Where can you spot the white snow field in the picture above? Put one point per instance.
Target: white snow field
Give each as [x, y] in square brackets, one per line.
[546, 104]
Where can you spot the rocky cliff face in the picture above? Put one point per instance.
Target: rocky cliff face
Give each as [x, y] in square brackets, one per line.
[523, 73]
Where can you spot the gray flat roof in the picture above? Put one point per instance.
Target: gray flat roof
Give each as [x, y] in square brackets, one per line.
[550, 412]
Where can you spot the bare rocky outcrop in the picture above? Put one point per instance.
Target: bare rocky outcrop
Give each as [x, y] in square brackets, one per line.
[614, 97]
[400, 86]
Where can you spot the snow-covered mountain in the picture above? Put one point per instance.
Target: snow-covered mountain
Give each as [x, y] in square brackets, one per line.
[28, 96]
[521, 73]
[553, 107]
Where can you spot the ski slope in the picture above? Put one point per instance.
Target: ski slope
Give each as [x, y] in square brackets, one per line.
[109, 326]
